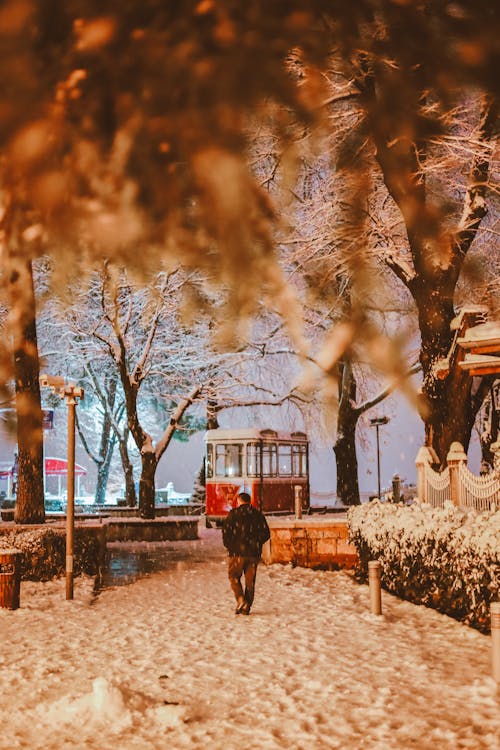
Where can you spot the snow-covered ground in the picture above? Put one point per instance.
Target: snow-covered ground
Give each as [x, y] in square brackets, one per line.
[164, 663]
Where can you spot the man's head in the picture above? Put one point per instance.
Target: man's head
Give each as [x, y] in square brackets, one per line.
[243, 497]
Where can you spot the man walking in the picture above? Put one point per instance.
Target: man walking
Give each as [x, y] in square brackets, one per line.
[244, 532]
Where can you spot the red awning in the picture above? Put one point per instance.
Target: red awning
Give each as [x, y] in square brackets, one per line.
[56, 467]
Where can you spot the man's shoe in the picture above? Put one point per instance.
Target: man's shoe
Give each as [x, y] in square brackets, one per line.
[245, 609]
[240, 607]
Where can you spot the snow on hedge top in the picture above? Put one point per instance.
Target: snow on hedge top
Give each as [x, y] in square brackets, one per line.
[383, 524]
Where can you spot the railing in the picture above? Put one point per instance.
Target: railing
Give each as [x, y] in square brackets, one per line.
[437, 486]
[456, 482]
[478, 492]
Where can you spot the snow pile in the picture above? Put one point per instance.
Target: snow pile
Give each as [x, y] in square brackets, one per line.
[103, 706]
[106, 709]
[446, 558]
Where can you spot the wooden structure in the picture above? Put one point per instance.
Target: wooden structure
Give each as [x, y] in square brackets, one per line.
[481, 347]
[475, 347]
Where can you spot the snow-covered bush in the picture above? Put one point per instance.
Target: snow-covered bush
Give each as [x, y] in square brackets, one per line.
[44, 552]
[446, 558]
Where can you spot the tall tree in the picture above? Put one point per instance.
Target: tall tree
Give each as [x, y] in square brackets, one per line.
[30, 491]
[416, 208]
[104, 393]
[436, 260]
[143, 335]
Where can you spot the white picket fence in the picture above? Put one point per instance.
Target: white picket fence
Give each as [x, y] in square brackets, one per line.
[478, 492]
[437, 486]
[456, 483]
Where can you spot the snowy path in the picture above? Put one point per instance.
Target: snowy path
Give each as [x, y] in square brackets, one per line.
[164, 663]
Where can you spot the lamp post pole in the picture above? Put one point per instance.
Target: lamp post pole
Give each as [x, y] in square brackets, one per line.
[376, 422]
[70, 504]
[71, 392]
[378, 463]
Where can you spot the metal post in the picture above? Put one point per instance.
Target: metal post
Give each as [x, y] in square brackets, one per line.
[495, 639]
[378, 464]
[374, 586]
[376, 422]
[298, 501]
[70, 506]
[71, 392]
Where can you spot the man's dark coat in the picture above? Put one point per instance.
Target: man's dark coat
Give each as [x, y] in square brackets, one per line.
[244, 531]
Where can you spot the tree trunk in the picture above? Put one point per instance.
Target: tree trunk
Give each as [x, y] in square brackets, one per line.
[447, 405]
[147, 485]
[489, 427]
[128, 472]
[347, 468]
[345, 444]
[30, 492]
[107, 442]
[103, 478]
[106, 450]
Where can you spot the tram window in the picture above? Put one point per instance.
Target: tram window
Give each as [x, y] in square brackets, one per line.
[269, 460]
[228, 460]
[253, 460]
[285, 459]
[209, 463]
[299, 460]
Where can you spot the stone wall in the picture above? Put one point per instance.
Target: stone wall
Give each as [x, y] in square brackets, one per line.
[154, 530]
[310, 543]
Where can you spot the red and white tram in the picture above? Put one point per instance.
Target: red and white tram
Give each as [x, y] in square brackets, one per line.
[271, 466]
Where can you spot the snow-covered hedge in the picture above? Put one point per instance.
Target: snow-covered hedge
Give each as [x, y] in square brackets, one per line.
[445, 558]
[44, 552]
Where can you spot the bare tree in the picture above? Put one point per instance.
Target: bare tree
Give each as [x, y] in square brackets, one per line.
[432, 270]
[423, 190]
[143, 335]
[113, 431]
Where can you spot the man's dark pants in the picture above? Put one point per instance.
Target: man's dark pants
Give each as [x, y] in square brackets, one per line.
[243, 566]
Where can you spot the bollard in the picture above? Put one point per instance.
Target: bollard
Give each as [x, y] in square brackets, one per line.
[396, 489]
[10, 578]
[374, 584]
[298, 501]
[495, 639]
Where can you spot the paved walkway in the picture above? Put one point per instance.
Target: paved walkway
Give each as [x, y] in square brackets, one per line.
[165, 663]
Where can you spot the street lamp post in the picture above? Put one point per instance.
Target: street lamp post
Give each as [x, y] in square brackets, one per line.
[71, 392]
[376, 422]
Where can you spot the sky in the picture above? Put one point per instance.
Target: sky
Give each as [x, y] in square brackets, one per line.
[165, 662]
